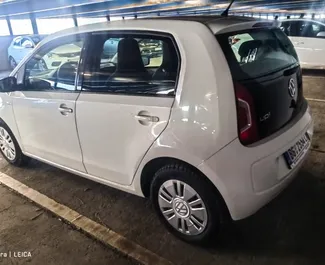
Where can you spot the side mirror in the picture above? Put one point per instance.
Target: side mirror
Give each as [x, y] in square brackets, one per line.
[8, 84]
[321, 34]
[146, 60]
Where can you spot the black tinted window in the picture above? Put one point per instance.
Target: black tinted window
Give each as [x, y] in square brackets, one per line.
[309, 29]
[131, 64]
[254, 53]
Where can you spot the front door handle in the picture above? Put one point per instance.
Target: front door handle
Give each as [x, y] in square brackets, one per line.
[64, 109]
[146, 118]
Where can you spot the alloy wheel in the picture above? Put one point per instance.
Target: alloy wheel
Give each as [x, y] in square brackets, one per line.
[7, 145]
[182, 207]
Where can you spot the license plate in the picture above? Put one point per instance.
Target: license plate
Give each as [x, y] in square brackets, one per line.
[297, 152]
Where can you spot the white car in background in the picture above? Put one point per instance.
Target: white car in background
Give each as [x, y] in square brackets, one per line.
[20, 47]
[308, 38]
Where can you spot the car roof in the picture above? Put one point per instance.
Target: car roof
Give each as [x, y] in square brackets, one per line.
[217, 24]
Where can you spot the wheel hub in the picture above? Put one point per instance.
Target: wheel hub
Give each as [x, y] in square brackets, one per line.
[181, 208]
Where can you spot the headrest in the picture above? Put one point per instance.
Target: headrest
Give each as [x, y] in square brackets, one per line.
[247, 46]
[129, 56]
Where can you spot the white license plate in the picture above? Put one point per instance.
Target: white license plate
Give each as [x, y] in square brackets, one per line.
[297, 152]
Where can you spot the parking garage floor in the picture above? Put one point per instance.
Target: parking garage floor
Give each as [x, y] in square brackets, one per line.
[290, 230]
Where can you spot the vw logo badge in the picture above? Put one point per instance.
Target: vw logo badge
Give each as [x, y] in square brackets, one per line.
[292, 88]
[181, 208]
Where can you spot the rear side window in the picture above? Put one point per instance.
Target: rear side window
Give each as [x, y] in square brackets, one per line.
[257, 52]
[131, 64]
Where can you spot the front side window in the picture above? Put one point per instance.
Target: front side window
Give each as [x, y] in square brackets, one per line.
[131, 64]
[54, 67]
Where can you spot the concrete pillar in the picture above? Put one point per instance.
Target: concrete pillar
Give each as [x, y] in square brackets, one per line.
[34, 24]
[9, 25]
[75, 20]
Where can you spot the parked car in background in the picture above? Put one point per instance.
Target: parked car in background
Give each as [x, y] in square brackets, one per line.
[308, 38]
[214, 128]
[20, 47]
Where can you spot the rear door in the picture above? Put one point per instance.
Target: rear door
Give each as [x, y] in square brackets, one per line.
[122, 108]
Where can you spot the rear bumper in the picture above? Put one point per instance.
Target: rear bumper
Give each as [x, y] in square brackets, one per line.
[250, 177]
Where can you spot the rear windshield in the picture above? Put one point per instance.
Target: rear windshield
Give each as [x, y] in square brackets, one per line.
[257, 52]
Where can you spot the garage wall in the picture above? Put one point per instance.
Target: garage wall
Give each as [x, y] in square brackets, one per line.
[4, 44]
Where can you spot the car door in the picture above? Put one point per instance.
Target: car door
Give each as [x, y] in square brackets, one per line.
[45, 104]
[122, 109]
[309, 46]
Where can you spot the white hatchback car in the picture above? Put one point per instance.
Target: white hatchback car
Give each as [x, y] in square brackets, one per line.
[308, 38]
[20, 47]
[210, 130]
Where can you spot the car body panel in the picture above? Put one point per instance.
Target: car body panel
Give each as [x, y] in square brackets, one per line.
[237, 169]
[46, 132]
[113, 140]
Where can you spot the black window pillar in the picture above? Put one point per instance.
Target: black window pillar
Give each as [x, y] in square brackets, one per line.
[108, 17]
[34, 24]
[9, 25]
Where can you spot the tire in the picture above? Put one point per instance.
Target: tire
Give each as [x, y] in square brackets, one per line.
[195, 226]
[12, 63]
[10, 148]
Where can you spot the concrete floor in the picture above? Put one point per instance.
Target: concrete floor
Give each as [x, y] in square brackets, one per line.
[290, 230]
[31, 236]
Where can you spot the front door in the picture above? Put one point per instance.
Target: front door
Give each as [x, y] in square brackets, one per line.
[45, 104]
[125, 101]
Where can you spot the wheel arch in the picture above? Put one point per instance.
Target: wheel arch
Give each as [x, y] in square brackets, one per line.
[155, 164]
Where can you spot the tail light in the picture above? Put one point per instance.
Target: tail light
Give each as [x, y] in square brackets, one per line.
[247, 126]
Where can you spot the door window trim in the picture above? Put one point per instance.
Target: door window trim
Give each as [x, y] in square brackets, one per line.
[132, 32]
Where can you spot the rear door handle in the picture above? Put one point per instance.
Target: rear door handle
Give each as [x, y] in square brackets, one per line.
[64, 109]
[298, 42]
[146, 118]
